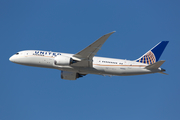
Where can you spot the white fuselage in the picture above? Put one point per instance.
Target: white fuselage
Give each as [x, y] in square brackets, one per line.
[100, 66]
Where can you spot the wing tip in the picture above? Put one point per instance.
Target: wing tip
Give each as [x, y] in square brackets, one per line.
[113, 32]
[110, 33]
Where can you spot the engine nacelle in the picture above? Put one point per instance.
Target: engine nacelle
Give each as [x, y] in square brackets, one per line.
[62, 60]
[70, 75]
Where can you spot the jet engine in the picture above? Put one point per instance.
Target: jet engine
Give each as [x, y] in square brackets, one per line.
[62, 60]
[70, 75]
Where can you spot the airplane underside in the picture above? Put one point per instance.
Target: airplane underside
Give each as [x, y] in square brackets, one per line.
[109, 71]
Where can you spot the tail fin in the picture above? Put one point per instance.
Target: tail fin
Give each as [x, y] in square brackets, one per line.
[153, 54]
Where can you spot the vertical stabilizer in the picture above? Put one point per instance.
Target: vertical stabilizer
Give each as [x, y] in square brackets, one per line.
[154, 54]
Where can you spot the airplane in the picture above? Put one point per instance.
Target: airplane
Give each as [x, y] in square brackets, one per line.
[85, 62]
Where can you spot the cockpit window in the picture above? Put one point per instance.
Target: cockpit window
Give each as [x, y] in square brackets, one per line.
[17, 53]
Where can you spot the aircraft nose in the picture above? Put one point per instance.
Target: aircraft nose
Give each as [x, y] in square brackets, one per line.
[11, 59]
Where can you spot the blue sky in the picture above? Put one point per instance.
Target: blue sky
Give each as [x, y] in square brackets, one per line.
[69, 26]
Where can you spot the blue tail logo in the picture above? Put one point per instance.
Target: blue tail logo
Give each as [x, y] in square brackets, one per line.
[154, 54]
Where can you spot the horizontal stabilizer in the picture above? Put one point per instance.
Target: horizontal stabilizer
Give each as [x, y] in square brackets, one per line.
[163, 73]
[155, 65]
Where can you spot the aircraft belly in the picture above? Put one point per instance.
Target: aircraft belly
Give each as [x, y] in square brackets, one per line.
[122, 71]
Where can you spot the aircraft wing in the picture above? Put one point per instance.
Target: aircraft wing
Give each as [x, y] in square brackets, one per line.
[86, 55]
